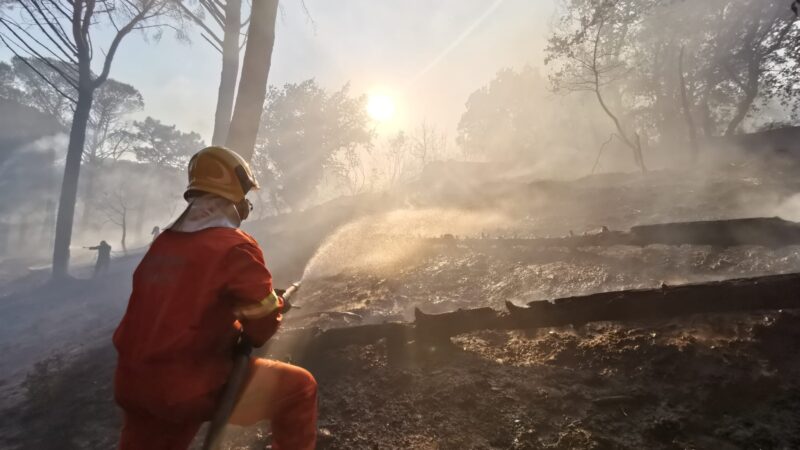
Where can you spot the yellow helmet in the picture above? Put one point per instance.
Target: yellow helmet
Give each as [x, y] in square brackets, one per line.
[220, 171]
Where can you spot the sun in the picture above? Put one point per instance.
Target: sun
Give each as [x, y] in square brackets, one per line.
[380, 107]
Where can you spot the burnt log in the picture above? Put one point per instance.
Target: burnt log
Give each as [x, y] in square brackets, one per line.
[773, 292]
[767, 232]
[745, 294]
[770, 232]
[438, 327]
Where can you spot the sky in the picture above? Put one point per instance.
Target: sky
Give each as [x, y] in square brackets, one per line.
[426, 55]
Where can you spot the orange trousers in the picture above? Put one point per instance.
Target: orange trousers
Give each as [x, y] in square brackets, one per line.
[284, 394]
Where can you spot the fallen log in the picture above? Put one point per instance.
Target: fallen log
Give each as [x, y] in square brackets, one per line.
[769, 232]
[437, 327]
[745, 294]
[771, 292]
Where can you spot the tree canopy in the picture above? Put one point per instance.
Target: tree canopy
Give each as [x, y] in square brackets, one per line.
[306, 133]
[503, 118]
[664, 65]
[163, 145]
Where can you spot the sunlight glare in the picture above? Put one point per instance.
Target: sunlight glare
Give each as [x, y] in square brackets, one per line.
[380, 107]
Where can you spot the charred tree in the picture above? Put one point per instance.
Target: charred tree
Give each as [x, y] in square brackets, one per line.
[253, 83]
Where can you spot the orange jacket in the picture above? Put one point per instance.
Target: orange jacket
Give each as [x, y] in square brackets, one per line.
[176, 339]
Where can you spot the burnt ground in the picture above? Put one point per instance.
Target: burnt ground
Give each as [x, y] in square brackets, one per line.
[605, 386]
[713, 382]
[704, 382]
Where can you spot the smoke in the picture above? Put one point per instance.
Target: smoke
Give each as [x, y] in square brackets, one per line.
[29, 179]
[789, 208]
[453, 65]
[30, 182]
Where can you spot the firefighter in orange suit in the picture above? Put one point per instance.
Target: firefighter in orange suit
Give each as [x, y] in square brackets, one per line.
[201, 283]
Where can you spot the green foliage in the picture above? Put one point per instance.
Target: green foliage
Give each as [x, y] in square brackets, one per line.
[502, 119]
[45, 95]
[163, 145]
[515, 117]
[108, 129]
[8, 88]
[113, 102]
[306, 134]
[739, 57]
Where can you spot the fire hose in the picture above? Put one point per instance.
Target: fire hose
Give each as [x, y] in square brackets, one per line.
[238, 376]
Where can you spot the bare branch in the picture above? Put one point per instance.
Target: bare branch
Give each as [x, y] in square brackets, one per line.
[36, 71]
[198, 21]
[20, 42]
[212, 43]
[215, 10]
[58, 30]
[600, 152]
[309, 17]
[112, 50]
[8, 25]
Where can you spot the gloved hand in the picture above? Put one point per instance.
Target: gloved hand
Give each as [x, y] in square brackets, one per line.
[286, 304]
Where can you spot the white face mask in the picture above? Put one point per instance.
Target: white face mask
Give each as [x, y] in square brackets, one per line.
[207, 211]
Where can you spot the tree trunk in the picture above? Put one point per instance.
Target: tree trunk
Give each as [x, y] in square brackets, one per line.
[230, 71]
[743, 108]
[124, 229]
[253, 84]
[636, 147]
[88, 195]
[69, 184]
[750, 87]
[49, 224]
[637, 153]
[687, 110]
[141, 211]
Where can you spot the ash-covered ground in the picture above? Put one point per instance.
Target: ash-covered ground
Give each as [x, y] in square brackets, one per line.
[716, 381]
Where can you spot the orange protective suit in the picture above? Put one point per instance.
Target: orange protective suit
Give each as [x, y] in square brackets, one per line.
[176, 340]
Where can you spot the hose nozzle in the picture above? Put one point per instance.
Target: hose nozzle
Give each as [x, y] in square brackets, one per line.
[294, 287]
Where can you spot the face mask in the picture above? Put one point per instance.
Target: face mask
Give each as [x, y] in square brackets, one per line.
[244, 208]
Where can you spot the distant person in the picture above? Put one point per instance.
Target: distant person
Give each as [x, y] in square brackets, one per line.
[156, 231]
[201, 285]
[103, 257]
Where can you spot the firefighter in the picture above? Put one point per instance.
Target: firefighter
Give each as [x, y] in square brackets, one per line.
[203, 282]
[103, 257]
